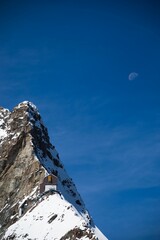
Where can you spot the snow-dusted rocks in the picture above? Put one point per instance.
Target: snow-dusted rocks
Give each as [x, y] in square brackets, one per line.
[4, 114]
[26, 157]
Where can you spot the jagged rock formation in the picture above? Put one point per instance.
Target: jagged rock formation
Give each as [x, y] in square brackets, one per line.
[26, 155]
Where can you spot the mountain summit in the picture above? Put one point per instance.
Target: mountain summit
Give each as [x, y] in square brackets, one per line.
[38, 200]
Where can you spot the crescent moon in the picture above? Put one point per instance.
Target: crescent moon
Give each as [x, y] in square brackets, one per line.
[132, 76]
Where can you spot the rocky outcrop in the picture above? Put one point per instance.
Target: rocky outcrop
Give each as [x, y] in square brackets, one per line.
[20, 170]
[78, 233]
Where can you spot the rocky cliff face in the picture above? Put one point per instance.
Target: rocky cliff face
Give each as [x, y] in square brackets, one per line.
[20, 170]
[26, 155]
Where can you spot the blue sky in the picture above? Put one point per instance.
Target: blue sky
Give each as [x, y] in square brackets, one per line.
[72, 59]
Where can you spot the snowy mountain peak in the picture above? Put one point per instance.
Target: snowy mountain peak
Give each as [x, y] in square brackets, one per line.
[28, 104]
[36, 191]
[29, 109]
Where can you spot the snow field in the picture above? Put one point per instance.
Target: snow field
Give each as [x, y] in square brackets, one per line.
[35, 222]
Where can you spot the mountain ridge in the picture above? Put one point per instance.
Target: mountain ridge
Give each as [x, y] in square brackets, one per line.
[26, 157]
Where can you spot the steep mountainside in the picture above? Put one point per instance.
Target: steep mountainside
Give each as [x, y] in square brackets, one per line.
[27, 158]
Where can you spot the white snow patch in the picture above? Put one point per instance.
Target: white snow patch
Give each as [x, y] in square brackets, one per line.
[67, 218]
[99, 234]
[1, 121]
[3, 134]
[50, 219]
[4, 207]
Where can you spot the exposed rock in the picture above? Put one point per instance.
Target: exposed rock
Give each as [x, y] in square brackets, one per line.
[20, 170]
[78, 233]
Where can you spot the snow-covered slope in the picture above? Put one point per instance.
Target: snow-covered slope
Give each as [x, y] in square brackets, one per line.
[28, 157]
[53, 218]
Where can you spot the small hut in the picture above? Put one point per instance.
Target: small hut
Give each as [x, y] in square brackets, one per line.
[49, 183]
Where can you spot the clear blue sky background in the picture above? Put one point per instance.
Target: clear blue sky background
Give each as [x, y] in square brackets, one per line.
[72, 59]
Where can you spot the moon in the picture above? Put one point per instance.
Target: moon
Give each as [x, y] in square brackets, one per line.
[132, 76]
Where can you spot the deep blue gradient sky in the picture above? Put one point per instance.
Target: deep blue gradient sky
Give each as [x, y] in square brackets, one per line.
[72, 59]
